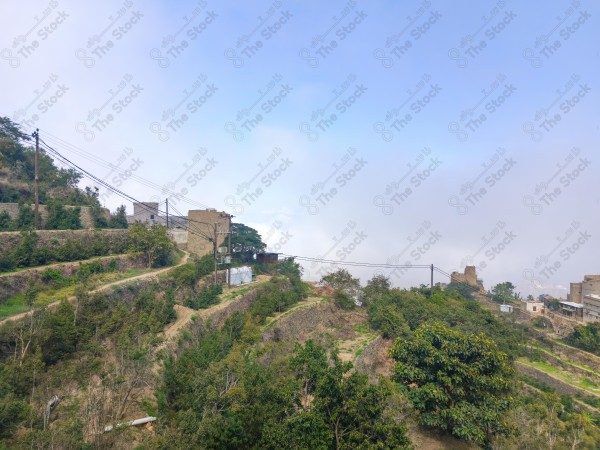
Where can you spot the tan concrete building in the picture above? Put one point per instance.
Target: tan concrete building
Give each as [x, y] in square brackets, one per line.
[587, 293]
[203, 226]
[534, 307]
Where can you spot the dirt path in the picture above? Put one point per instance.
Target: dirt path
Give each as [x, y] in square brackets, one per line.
[106, 286]
[184, 315]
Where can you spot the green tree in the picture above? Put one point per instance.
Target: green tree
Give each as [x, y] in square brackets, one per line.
[458, 382]
[245, 242]
[119, 218]
[6, 223]
[464, 289]
[503, 292]
[153, 241]
[62, 218]
[344, 409]
[586, 337]
[344, 283]
[377, 287]
[389, 320]
[25, 219]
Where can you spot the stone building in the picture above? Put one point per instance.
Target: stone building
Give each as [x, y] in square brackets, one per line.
[587, 292]
[145, 212]
[469, 277]
[205, 225]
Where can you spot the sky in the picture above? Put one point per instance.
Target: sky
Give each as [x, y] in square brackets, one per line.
[409, 133]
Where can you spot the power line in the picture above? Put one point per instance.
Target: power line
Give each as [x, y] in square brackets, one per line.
[110, 187]
[56, 141]
[197, 231]
[379, 265]
[358, 264]
[107, 185]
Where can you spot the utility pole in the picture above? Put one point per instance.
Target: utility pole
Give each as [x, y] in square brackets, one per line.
[36, 221]
[432, 277]
[167, 200]
[229, 253]
[215, 249]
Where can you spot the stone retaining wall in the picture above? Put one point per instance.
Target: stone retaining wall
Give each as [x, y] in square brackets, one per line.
[17, 282]
[53, 238]
[85, 216]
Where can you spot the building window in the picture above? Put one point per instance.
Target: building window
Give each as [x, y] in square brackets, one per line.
[534, 308]
[152, 216]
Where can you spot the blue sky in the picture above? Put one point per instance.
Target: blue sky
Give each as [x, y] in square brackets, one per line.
[415, 132]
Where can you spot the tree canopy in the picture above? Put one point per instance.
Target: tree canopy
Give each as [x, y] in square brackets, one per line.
[503, 292]
[151, 240]
[460, 383]
[245, 242]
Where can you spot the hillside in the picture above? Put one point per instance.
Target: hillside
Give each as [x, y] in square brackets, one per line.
[59, 193]
[256, 365]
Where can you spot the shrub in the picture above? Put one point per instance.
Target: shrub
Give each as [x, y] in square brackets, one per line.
[343, 300]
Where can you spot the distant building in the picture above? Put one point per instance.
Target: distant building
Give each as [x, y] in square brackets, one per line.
[204, 225]
[534, 307]
[506, 308]
[145, 212]
[469, 277]
[267, 258]
[587, 293]
[572, 310]
[148, 212]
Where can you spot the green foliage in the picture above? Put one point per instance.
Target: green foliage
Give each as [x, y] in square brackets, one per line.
[376, 288]
[343, 300]
[13, 411]
[335, 408]
[54, 278]
[29, 252]
[460, 383]
[503, 292]
[184, 275]
[61, 218]
[417, 306]
[274, 296]
[6, 223]
[297, 403]
[206, 297]
[63, 345]
[348, 290]
[245, 242]
[189, 274]
[119, 218]
[586, 337]
[464, 289]
[389, 320]
[25, 219]
[17, 156]
[204, 266]
[153, 242]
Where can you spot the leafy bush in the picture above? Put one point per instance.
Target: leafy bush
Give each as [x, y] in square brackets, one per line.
[208, 296]
[6, 223]
[55, 278]
[586, 337]
[28, 252]
[342, 300]
[460, 383]
[61, 218]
